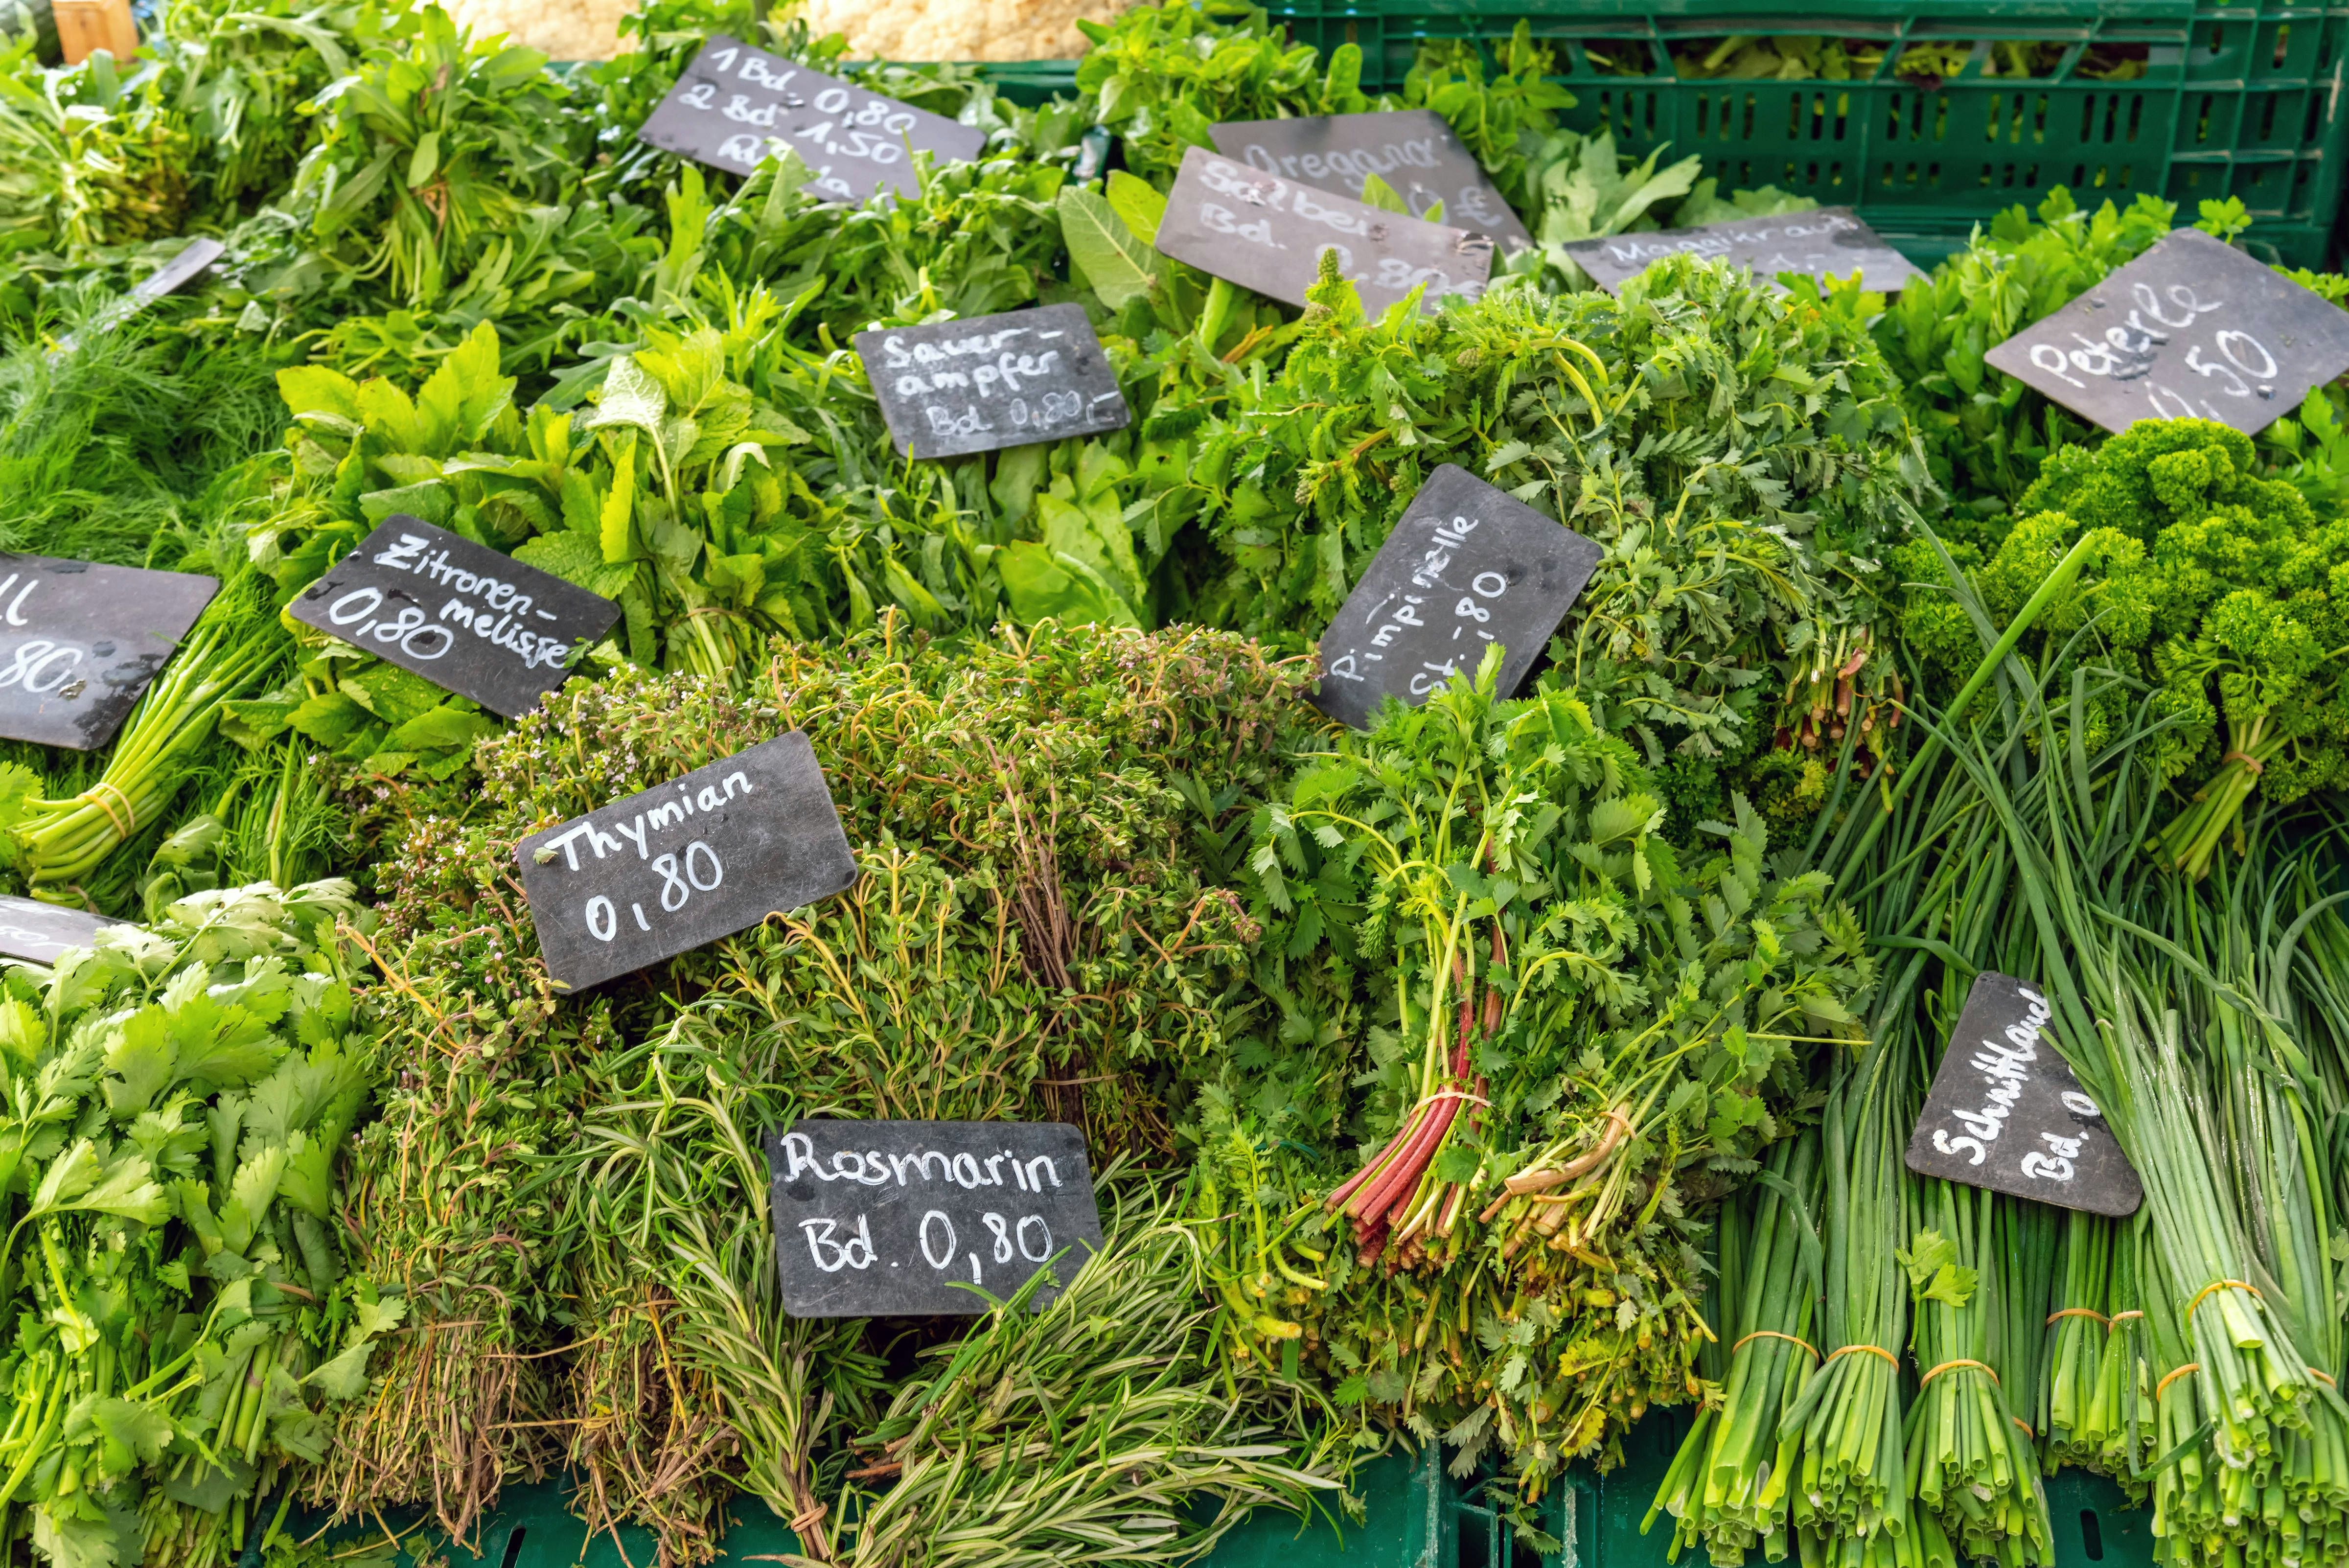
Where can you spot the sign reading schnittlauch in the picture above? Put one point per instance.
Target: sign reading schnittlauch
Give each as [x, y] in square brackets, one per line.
[2005, 1111]
[957, 387]
[1267, 233]
[1466, 566]
[79, 642]
[1825, 242]
[2192, 329]
[736, 106]
[465, 617]
[678, 866]
[899, 1218]
[1418, 156]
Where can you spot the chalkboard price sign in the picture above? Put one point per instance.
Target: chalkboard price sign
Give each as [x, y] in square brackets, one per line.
[685, 863]
[1267, 233]
[78, 643]
[1466, 566]
[1413, 150]
[2005, 1112]
[1828, 243]
[38, 932]
[194, 259]
[899, 1218]
[2192, 329]
[736, 106]
[1026, 375]
[465, 617]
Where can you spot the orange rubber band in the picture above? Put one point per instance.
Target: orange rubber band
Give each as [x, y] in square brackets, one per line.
[2114, 1322]
[1773, 1334]
[2248, 761]
[1960, 1363]
[2313, 1372]
[2160, 1388]
[2217, 1285]
[1869, 1349]
[2081, 1311]
[2026, 1428]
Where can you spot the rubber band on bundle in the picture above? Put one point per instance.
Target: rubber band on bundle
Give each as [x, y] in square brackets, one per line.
[1958, 1364]
[1773, 1334]
[2217, 1285]
[2248, 761]
[99, 800]
[2080, 1311]
[2163, 1386]
[1869, 1349]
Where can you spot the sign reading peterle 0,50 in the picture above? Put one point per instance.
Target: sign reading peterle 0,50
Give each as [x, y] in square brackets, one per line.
[79, 642]
[2005, 1112]
[895, 1218]
[2192, 329]
[1267, 233]
[1830, 242]
[39, 932]
[685, 863]
[1420, 157]
[463, 616]
[957, 387]
[736, 106]
[1467, 566]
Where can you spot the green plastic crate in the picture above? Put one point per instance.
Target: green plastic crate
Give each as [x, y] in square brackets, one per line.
[1419, 1517]
[2240, 97]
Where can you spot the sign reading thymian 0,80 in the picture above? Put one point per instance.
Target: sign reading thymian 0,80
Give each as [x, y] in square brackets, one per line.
[882, 1219]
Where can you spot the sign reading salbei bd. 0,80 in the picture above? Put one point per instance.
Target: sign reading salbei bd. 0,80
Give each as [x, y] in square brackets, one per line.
[664, 871]
[2005, 1112]
[460, 615]
[1828, 243]
[2191, 329]
[896, 1219]
[957, 387]
[736, 106]
[1413, 150]
[1467, 566]
[1267, 233]
[79, 642]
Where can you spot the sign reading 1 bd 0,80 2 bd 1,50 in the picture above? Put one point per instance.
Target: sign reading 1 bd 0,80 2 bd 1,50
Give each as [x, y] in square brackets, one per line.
[736, 106]
[2192, 329]
[1466, 569]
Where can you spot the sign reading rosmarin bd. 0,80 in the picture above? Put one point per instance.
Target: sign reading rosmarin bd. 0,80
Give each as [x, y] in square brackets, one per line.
[2005, 1112]
[736, 106]
[894, 1218]
[79, 642]
[1266, 234]
[685, 863]
[1830, 242]
[466, 619]
[957, 387]
[1466, 566]
[1420, 157]
[2192, 329]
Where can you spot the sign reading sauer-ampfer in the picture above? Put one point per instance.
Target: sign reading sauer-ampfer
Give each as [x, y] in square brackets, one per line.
[890, 1218]
[2006, 1113]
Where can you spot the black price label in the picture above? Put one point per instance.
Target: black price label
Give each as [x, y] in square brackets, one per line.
[79, 642]
[465, 617]
[2005, 1112]
[1413, 150]
[38, 932]
[1466, 566]
[180, 271]
[957, 387]
[899, 1218]
[2193, 329]
[1828, 243]
[685, 863]
[736, 106]
[1267, 233]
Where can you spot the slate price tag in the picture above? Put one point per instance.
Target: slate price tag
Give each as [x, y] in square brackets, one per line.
[38, 932]
[736, 106]
[2005, 1112]
[1267, 233]
[888, 1219]
[78, 643]
[170, 278]
[992, 381]
[2192, 329]
[1413, 150]
[1466, 566]
[1828, 243]
[465, 617]
[685, 863]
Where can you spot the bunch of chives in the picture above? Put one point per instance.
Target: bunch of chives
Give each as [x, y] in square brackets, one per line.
[2079, 1329]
